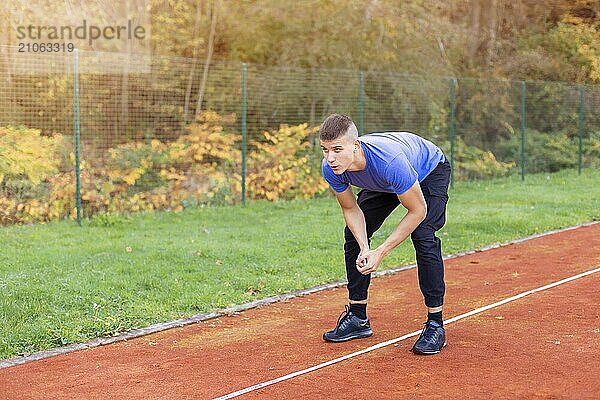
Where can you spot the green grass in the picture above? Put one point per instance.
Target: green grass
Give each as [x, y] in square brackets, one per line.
[61, 284]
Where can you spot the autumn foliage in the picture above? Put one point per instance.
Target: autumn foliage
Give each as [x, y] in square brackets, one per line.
[280, 168]
[201, 167]
[204, 167]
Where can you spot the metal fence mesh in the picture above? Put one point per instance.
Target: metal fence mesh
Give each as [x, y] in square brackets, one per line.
[140, 125]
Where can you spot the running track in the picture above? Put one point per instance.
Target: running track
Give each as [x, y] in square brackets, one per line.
[545, 345]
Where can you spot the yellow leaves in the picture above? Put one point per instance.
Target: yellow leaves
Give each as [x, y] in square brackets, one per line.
[132, 175]
[7, 207]
[177, 152]
[271, 138]
[592, 54]
[107, 187]
[211, 117]
[201, 167]
[24, 151]
[581, 39]
[172, 174]
[206, 142]
[145, 164]
[279, 168]
[155, 144]
[159, 201]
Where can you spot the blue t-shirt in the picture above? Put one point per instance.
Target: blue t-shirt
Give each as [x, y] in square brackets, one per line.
[395, 160]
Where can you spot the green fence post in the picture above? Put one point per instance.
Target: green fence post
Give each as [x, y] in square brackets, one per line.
[522, 130]
[581, 111]
[76, 129]
[244, 131]
[360, 103]
[452, 133]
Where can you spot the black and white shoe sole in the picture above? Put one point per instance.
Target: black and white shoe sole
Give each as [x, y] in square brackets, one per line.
[358, 335]
[428, 353]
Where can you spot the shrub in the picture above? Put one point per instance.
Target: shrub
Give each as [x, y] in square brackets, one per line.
[550, 152]
[28, 163]
[26, 160]
[204, 167]
[190, 171]
[471, 162]
[280, 167]
[206, 162]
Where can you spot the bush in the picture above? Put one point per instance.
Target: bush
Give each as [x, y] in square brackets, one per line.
[280, 167]
[470, 162]
[550, 152]
[204, 167]
[198, 168]
[26, 160]
[591, 150]
[207, 162]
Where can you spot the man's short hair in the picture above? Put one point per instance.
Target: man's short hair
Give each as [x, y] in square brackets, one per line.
[334, 126]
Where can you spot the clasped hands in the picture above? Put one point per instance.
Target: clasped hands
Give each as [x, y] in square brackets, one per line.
[368, 261]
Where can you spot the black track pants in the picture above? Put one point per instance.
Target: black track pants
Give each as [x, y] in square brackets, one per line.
[376, 207]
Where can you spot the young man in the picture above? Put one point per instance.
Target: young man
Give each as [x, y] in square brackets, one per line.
[391, 168]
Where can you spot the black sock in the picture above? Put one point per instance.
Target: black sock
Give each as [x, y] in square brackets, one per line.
[360, 310]
[437, 317]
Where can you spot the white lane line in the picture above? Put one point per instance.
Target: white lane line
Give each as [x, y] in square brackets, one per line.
[404, 337]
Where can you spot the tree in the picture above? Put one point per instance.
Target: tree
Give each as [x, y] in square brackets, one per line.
[209, 54]
[188, 92]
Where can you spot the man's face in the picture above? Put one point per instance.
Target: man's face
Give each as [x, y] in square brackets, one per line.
[339, 153]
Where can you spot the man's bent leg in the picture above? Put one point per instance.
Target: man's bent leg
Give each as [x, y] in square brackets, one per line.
[430, 264]
[428, 247]
[431, 281]
[353, 323]
[376, 207]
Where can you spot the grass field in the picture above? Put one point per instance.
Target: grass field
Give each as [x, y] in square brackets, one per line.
[61, 284]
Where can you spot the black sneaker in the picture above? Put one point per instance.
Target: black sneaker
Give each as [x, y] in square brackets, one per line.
[432, 339]
[349, 327]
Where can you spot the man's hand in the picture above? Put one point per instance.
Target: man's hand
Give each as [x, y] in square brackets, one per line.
[368, 261]
[361, 256]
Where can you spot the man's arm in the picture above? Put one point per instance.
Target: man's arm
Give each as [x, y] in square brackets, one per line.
[414, 202]
[355, 219]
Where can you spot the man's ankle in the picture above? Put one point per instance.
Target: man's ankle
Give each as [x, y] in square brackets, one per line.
[358, 309]
[436, 316]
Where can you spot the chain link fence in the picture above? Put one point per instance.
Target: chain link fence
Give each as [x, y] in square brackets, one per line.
[145, 140]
